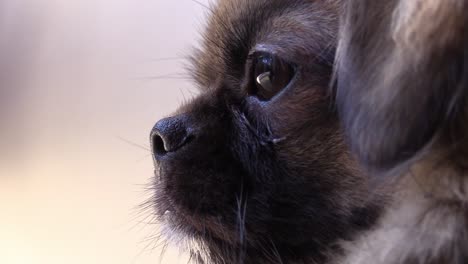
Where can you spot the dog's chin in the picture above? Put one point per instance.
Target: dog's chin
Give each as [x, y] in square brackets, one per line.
[195, 218]
[196, 227]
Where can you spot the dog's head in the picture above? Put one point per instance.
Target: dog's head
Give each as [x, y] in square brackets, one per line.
[255, 168]
[402, 78]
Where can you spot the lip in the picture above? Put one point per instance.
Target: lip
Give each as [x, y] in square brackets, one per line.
[215, 229]
[195, 225]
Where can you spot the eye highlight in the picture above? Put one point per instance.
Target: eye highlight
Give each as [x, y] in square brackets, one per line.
[270, 75]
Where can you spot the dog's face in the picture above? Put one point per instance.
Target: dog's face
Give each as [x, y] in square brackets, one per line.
[255, 168]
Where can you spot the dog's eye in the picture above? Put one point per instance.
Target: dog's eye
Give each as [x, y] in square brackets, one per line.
[271, 75]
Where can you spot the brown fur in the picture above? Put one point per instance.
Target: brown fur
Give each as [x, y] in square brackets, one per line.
[402, 92]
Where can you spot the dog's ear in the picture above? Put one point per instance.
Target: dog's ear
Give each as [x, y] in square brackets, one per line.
[400, 75]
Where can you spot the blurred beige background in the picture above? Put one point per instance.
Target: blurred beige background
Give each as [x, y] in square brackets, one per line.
[74, 99]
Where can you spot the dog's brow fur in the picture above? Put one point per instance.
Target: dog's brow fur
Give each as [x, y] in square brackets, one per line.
[236, 26]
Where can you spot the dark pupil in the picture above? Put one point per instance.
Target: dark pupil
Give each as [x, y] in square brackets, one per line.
[280, 74]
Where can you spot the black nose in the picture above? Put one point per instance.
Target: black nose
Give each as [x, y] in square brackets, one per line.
[169, 134]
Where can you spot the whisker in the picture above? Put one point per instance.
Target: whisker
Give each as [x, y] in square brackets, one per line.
[192, 93]
[202, 5]
[241, 214]
[152, 242]
[168, 59]
[275, 252]
[134, 144]
[143, 158]
[163, 77]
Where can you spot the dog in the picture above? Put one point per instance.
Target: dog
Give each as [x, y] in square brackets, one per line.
[256, 169]
[401, 90]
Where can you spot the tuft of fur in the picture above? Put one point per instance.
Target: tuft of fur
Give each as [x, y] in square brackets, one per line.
[426, 223]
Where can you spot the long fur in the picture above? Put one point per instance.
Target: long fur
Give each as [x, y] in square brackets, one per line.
[402, 94]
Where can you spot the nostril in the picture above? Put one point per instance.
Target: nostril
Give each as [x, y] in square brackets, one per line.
[169, 135]
[158, 145]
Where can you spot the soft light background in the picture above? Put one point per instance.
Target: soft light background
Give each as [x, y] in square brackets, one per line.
[74, 99]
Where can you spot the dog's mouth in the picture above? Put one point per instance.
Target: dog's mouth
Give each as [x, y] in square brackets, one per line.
[196, 224]
[195, 202]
